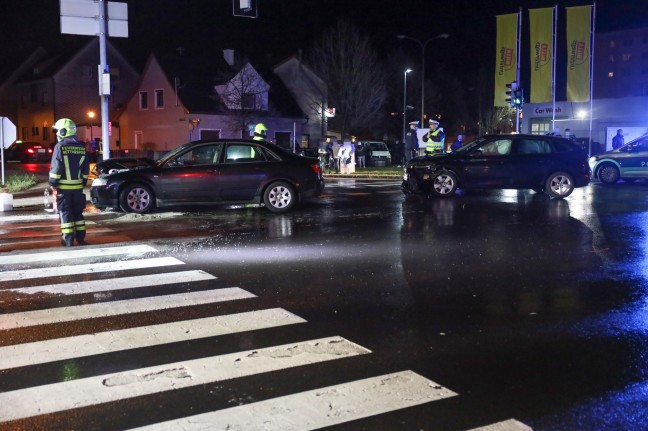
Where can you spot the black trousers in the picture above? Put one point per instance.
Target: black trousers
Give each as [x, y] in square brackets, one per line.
[71, 204]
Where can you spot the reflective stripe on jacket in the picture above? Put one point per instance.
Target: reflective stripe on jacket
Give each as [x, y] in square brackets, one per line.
[69, 169]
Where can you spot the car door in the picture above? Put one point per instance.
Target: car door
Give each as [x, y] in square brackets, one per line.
[191, 176]
[528, 162]
[487, 165]
[634, 163]
[243, 171]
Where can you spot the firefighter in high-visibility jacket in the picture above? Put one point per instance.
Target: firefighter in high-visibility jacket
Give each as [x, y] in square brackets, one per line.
[68, 174]
[434, 139]
[260, 132]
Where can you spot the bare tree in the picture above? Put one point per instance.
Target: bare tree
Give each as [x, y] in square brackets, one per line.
[244, 95]
[348, 64]
[498, 119]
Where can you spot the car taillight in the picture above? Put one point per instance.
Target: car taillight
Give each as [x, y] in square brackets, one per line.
[49, 150]
[316, 168]
[30, 150]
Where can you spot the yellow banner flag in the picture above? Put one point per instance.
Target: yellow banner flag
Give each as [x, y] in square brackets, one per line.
[506, 55]
[578, 53]
[542, 55]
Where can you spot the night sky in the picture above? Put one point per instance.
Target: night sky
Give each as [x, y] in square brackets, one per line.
[284, 26]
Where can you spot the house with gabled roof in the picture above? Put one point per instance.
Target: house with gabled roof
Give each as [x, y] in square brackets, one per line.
[65, 84]
[184, 95]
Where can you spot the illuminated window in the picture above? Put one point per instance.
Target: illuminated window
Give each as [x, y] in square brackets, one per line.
[610, 74]
[626, 57]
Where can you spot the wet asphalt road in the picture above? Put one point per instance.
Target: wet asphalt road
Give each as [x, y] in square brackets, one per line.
[526, 307]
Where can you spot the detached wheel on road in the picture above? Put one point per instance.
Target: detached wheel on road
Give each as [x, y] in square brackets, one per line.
[444, 184]
[609, 174]
[136, 198]
[559, 185]
[279, 197]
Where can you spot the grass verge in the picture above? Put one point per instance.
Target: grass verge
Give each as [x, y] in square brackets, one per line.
[19, 182]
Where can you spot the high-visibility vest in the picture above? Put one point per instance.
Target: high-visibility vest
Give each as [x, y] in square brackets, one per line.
[433, 146]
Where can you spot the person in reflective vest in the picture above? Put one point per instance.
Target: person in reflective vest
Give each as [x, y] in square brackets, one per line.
[68, 175]
[260, 132]
[434, 139]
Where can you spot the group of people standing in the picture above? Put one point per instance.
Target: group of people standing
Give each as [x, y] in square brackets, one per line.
[434, 140]
[338, 156]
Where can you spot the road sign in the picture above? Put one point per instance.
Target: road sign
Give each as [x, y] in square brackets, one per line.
[82, 17]
[8, 132]
[245, 8]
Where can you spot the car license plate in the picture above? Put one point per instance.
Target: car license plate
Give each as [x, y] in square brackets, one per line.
[41, 150]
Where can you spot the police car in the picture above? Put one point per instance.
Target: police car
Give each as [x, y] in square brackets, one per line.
[628, 163]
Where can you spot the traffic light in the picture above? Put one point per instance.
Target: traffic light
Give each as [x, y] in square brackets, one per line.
[518, 97]
[511, 91]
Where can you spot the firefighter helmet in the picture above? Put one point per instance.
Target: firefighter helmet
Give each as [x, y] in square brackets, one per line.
[64, 128]
[260, 129]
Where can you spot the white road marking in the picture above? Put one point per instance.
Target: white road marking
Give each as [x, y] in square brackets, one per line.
[95, 286]
[75, 253]
[13, 218]
[91, 268]
[56, 397]
[115, 308]
[508, 425]
[319, 408]
[41, 352]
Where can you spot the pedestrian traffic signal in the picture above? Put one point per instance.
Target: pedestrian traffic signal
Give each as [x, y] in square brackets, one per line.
[518, 97]
[511, 89]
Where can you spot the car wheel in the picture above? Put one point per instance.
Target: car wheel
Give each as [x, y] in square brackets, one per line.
[279, 197]
[559, 185]
[444, 184]
[609, 174]
[136, 198]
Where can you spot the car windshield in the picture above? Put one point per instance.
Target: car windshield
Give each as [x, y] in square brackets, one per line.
[167, 156]
[378, 146]
[469, 146]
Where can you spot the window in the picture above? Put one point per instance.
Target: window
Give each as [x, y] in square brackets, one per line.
[612, 44]
[540, 126]
[626, 57]
[610, 74]
[25, 133]
[627, 42]
[499, 147]
[248, 101]
[611, 59]
[46, 133]
[35, 131]
[143, 100]
[243, 153]
[203, 155]
[45, 98]
[159, 98]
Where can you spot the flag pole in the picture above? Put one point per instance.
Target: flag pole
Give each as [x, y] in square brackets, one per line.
[553, 72]
[517, 72]
[592, 38]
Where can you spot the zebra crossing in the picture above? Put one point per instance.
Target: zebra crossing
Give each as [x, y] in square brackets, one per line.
[36, 275]
[29, 231]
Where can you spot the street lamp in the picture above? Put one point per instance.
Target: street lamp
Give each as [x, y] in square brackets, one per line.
[405, 102]
[423, 45]
[91, 115]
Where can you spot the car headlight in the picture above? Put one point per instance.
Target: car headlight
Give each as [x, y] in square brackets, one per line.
[592, 160]
[98, 182]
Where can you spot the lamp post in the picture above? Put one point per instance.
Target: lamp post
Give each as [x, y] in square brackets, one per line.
[423, 45]
[91, 116]
[405, 102]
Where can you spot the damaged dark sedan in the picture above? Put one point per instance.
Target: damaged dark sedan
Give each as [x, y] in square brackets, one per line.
[545, 164]
[209, 172]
